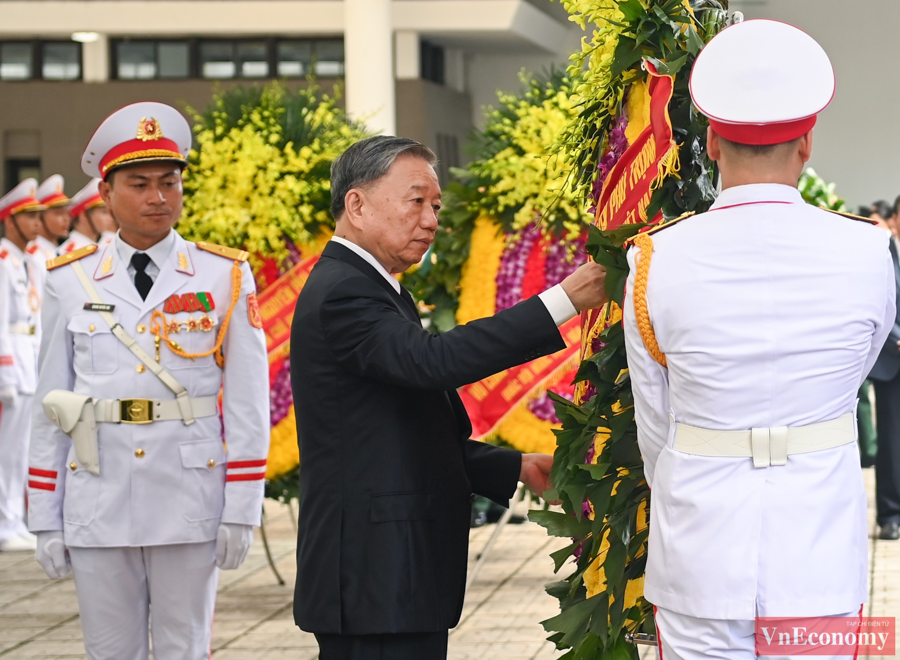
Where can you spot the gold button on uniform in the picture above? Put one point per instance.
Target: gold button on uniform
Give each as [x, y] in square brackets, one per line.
[142, 328]
[73, 466]
[211, 463]
[141, 368]
[91, 328]
[139, 453]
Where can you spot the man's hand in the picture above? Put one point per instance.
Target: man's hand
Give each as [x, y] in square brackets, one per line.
[232, 545]
[51, 554]
[535, 473]
[586, 287]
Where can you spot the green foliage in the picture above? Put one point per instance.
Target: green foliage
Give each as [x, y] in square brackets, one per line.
[819, 193]
[260, 175]
[593, 625]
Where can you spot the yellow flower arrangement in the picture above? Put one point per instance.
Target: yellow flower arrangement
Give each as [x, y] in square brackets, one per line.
[478, 284]
[284, 452]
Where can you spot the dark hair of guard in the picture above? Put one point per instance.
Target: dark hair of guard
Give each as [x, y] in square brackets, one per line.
[367, 161]
[882, 208]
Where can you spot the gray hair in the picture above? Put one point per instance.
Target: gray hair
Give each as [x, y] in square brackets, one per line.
[367, 161]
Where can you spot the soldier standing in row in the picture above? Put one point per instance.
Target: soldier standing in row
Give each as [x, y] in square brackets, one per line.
[140, 337]
[55, 219]
[20, 302]
[748, 337]
[91, 220]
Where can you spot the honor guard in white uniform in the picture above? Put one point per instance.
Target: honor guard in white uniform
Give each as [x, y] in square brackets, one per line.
[749, 330]
[130, 479]
[55, 219]
[90, 218]
[20, 285]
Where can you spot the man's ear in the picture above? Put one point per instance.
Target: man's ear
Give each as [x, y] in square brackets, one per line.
[713, 145]
[105, 189]
[805, 147]
[354, 205]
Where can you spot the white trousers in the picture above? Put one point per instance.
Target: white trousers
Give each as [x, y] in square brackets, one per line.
[125, 595]
[15, 430]
[683, 637]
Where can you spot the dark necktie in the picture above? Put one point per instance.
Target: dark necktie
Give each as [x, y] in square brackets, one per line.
[142, 281]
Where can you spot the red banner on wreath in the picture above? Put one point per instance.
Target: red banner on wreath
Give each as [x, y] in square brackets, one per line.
[627, 190]
[276, 306]
[488, 401]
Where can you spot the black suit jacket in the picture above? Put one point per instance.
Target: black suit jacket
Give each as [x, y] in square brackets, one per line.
[387, 470]
[887, 366]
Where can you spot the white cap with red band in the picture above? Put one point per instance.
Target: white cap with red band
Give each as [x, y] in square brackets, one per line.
[21, 199]
[140, 132]
[762, 82]
[86, 198]
[50, 192]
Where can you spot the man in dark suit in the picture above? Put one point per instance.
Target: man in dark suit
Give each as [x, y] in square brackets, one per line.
[885, 376]
[388, 471]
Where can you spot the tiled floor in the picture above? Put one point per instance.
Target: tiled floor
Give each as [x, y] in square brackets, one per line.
[501, 619]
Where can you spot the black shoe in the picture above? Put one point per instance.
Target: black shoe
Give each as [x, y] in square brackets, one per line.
[890, 531]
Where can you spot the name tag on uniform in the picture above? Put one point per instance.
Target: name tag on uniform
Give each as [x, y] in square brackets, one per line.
[99, 307]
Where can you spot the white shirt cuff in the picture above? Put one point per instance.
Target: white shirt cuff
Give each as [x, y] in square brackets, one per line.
[558, 304]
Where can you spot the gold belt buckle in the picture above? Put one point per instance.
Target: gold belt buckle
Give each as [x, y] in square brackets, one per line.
[31, 329]
[136, 411]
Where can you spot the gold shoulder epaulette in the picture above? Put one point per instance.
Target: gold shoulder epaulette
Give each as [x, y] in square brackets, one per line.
[661, 226]
[228, 252]
[859, 218]
[74, 255]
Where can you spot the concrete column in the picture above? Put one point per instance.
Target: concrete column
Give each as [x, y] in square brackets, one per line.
[407, 55]
[455, 69]
[369, 63]
[95, 60]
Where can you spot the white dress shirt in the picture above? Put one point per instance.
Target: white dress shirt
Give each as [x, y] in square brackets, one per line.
[555, 299]
[158, 254]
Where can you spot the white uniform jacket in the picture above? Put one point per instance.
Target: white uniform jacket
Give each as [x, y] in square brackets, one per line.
[771, 313]
[164, 482]
[75, 241]
[43, 248]
[19, 317]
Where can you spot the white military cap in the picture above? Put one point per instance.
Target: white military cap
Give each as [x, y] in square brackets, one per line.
[762, 82]
[21, 199]
[86, 198]
[138, 133]
[50, 192]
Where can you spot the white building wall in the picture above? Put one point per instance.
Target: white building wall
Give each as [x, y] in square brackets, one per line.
[857, 139]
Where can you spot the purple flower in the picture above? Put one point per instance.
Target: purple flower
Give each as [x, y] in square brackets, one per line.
[618, 144]
[281, 396]
[512, 266]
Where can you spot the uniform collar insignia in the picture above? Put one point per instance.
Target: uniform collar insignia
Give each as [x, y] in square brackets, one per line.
[107, 265]
[184, 261]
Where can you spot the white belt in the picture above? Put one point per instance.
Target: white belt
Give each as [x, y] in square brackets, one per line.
[766, 446]
[21, 329]
[147, 411]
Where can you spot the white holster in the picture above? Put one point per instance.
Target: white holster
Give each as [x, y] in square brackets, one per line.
[74, 415]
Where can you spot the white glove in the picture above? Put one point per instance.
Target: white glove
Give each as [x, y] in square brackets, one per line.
[232, 545]
[9, 395]
[51, 554]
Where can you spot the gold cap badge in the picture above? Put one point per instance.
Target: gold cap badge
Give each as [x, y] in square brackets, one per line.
[148, 129]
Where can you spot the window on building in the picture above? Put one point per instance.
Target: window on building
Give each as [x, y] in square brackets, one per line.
[19, 169]
[253, 59]
[217, 59]
[448, 156]
[432, 62]
[223, 59]
[173, 59]
[329, 56]
[61, 61]
[17, 60]
[147, 60]
[294, 58]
